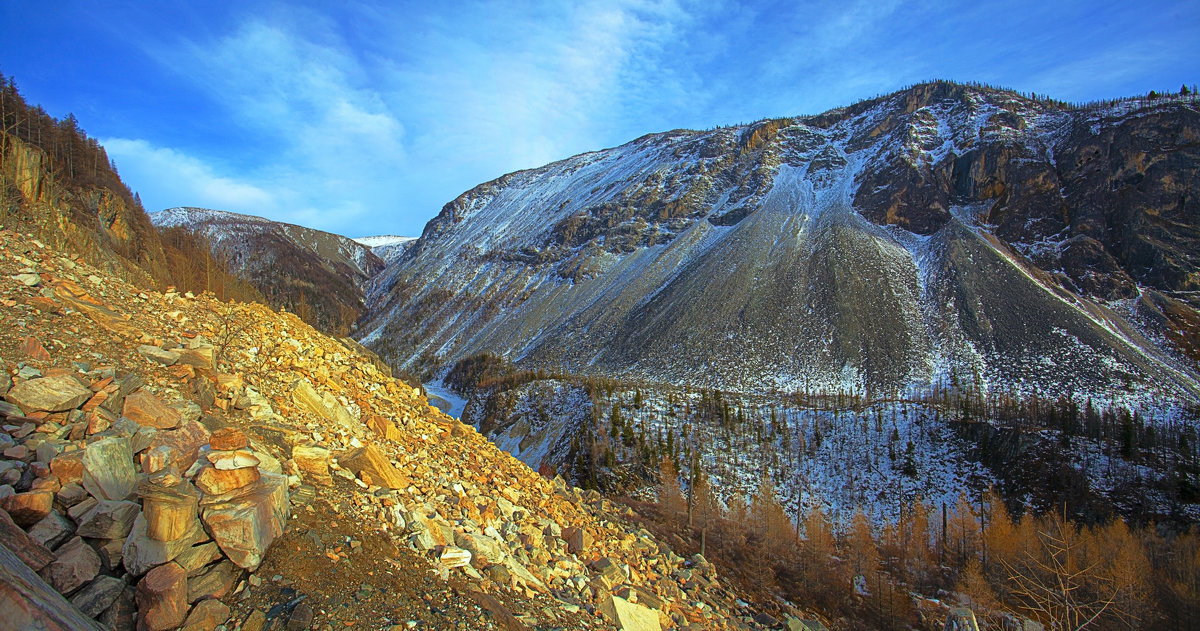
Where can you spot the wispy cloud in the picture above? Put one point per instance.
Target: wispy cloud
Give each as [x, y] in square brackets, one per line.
[166, 173]
[366, 116]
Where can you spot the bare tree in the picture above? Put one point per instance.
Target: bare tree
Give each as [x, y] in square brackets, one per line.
[1057, 583]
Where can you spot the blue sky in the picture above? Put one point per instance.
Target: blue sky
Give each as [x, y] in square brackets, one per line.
[366, 117]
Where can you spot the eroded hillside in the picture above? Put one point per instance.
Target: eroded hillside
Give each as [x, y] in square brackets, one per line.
[943, 234]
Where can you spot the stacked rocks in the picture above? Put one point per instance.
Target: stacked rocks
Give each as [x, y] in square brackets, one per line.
[95, 503]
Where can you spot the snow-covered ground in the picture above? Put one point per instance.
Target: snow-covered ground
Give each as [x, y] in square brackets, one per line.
[445, 399]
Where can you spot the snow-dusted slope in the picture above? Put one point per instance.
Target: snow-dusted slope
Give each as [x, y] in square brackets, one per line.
[320, 275]
[387, 247]
[944, 234]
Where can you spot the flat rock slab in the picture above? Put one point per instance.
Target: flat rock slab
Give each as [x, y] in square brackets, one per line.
[27, 602]
[313, 463]
[629, 616]
[141, 553]
[374, 463]
[110, 519]
[52, 530]
[158, 355]
[29, 508]
[149, 411]
[27, 549]
[98, 595]
[51, 394]
[207, 615]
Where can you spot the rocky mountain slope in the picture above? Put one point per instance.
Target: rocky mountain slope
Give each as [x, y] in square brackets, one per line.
[199, 463]
[945, 235]
[318, 275]
[387, 247]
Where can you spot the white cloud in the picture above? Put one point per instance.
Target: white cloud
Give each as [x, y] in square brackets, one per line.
[166, 174]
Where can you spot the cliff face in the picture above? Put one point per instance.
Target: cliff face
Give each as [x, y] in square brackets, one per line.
[943, 234]
[103, 225]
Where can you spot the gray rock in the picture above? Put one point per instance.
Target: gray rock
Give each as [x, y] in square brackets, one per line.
[110, 519]
[98, 595]
[52, 394]
[52, 530]
[156, 354]
[215, 582]
[75, 564]
[108, 471]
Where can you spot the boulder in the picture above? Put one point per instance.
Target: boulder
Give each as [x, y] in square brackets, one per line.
[325, 406]
[52, 530]
[313, 463]
[27, 602]
[169, 503]
[75, 564]
[371, 460]
[51, 394]
[68, 466]
[207, 615]
[579, 540]
[245, 523]
[28, 550]
[228, 438]
[108, 471]
[162, 598]
[185, 443]
[149, 411]
[452, 557]
[629, 616]
[140, 552]
[194, 559]
[201, 358]
[214, 481]
[216, 581]
[98, 595]
[484, 550]
[110, 519]
[233, 459]
[28, 508]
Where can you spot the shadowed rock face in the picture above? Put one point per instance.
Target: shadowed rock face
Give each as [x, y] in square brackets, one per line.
[941, 233]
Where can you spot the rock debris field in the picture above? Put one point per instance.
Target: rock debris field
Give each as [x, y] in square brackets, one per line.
[173, 461]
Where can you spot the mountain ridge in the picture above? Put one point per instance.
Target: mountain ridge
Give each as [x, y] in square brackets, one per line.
[319, 275]
[560, 250]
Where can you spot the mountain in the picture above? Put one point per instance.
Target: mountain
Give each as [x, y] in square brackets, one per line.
[387, 247]
[320, 276]
[942, 236]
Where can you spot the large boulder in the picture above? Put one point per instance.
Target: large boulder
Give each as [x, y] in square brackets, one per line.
[27, 602]
[313, 463]
[162, 598]
[149, 411]
[141, 552]
[110, 519]
[325, 406]
[75, 564]
[51, 394]
[375, 464]
[246, 522]
[108, 471]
